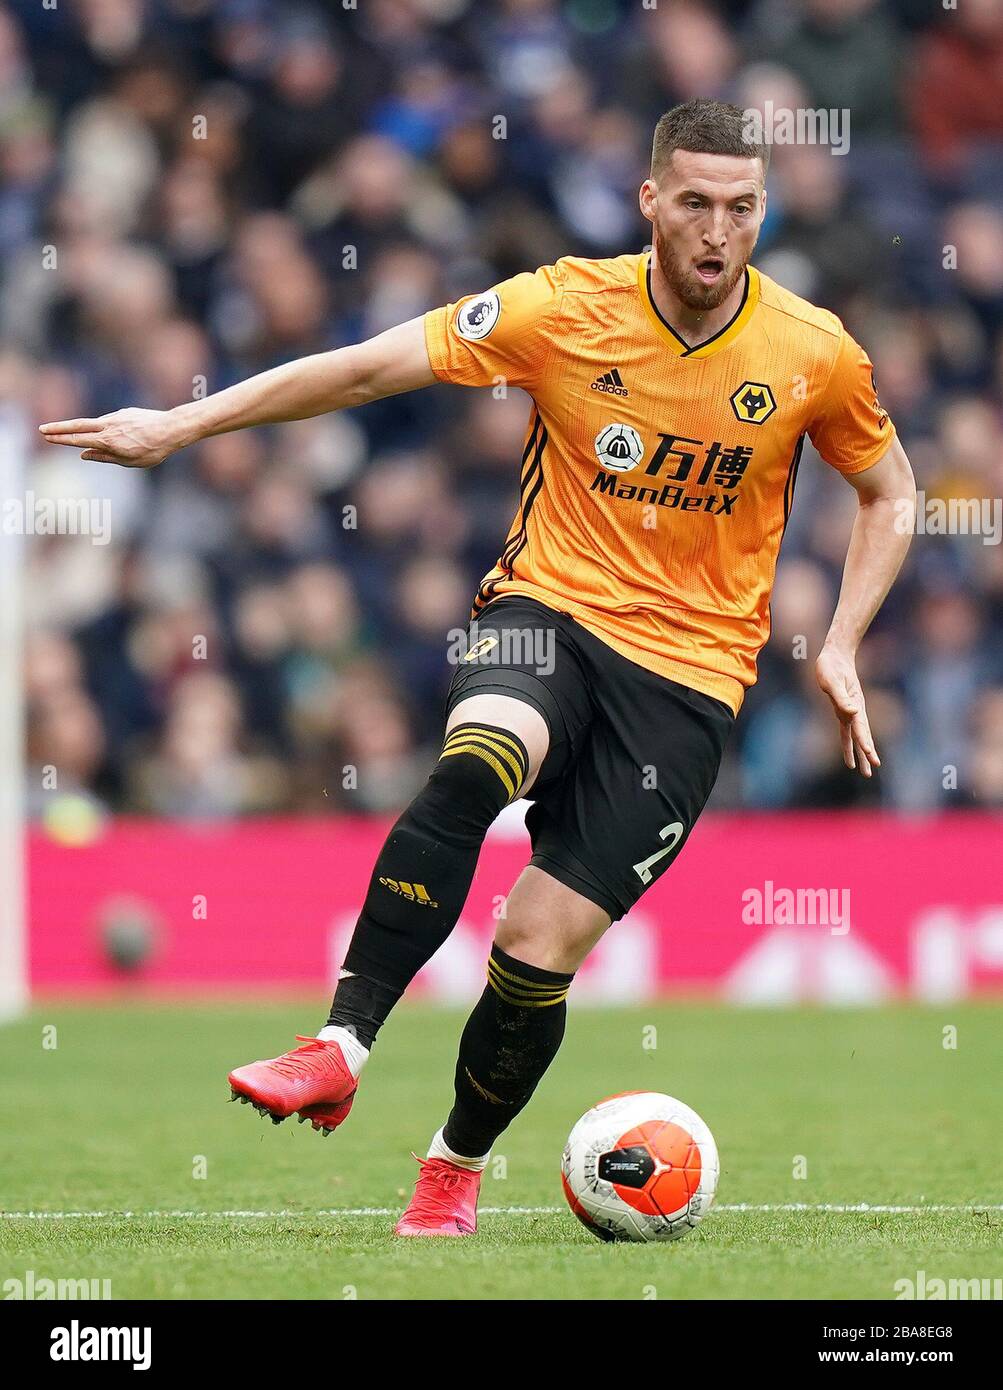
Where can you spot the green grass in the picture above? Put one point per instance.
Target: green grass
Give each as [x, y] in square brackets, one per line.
[114, 1119]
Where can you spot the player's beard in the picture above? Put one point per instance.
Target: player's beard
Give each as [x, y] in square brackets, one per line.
[687, 285]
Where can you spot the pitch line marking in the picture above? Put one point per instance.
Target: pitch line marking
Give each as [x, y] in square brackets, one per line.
[854, 1208]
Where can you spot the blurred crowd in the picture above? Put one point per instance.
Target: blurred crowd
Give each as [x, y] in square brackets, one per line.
[196, 190]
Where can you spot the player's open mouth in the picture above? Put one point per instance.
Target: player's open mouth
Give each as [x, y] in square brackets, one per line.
[710, 269]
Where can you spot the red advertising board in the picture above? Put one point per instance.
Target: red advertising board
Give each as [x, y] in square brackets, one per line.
[765, 909]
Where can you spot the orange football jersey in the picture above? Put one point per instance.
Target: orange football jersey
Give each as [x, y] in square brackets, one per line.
[657, 479]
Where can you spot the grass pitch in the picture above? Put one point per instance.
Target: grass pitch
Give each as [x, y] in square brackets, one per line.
[123, 1135]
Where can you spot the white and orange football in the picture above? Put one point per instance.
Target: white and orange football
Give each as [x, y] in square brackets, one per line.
[640, 1166]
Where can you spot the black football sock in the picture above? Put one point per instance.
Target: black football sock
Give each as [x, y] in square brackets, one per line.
[424, 871]
[509, 1041]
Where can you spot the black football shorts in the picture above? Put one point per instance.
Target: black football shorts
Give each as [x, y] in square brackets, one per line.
[632, 758]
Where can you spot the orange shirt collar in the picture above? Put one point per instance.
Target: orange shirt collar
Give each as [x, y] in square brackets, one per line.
[722, 339]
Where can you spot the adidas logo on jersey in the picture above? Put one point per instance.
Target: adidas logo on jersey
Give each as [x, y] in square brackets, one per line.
[611, 383]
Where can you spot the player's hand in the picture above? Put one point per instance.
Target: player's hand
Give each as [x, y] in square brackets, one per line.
[133, 438]
[836, 673]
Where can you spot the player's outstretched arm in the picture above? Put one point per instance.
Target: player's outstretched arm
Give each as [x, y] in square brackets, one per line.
[386, 365]
[882, 531]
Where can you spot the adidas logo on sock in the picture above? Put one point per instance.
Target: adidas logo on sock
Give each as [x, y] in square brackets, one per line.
[611, 382]
[413, 892]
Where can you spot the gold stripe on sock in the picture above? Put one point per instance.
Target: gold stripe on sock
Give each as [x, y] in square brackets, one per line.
[522, 980]
[495, 735]
[526, 993]
[520, 1002]
[487, 757]
[502, 737]
[523, 1001]
[499, 744]
[482, 741]
[483, 1091]
[550, 996]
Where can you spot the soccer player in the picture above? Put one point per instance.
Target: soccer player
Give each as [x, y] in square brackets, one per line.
[613, 642]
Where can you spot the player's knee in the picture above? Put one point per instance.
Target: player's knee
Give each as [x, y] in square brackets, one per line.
[544, 948]
[546, 924]
[511, 717]
[540, 941]
[480, 770]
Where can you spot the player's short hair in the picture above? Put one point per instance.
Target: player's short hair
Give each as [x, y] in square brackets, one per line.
[705, 127]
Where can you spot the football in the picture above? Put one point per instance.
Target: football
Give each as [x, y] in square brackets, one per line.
[640, 1166]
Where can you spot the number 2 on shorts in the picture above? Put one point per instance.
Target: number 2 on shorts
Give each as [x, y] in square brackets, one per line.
[643, 870]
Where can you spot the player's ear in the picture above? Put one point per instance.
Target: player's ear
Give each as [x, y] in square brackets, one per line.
[648, 199]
